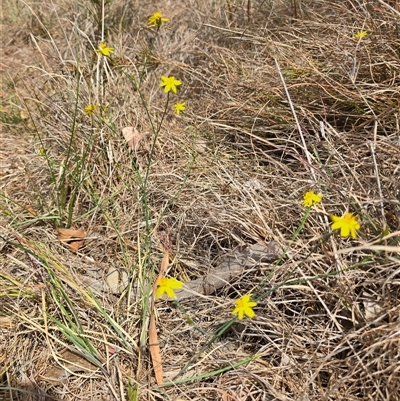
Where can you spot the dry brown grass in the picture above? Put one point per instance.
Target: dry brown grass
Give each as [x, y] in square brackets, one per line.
[229, 172]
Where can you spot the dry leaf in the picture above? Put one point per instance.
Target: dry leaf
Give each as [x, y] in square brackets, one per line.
[155, 352]
[6, 321]
[30, 209]
[164, 267]
[153, 338]
[73, 361]
[132, 137]
[116, 280]
[74, 239]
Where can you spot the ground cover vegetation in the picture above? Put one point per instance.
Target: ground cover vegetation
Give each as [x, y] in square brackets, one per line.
[200, 200]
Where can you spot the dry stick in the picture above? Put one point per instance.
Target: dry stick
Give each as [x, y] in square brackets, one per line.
[378, 181]
[308, 154]
[374, 248]
[154, 345]
[102, 20]
[102, 62]
[98, 61]
[295, 9]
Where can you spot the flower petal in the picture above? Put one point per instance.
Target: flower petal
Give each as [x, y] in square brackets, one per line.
[170, 292]
[249, 312]
[174, 283]
[160, 292]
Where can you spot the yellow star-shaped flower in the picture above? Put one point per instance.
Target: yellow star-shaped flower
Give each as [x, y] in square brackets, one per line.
[244, 306]
[167, 286]
[90, 109]
[156, 20]
[347, 224]
[360, 34]
[178, 107]
[104, 50]
[310, 198]
[170, 83]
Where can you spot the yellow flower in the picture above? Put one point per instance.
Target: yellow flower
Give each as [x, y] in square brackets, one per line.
[178, 107]
[156, 20]
[167, 286]
[104, 50]
[244, 306]
[360, 34]
[169, 83]
[310, 198]
[90, 109]
[348, 225]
